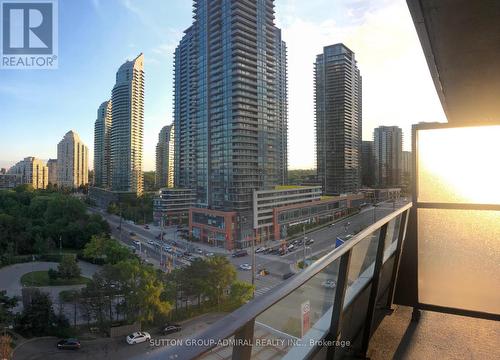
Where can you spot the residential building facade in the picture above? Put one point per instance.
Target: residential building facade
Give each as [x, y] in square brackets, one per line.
[388, 149]
[230, 106]
[165, 152]
[31, 171]
[52, 168]
[265, 201]
[172, 205]
[127, 127]
[72, 161]
[338, 104]
[9, 181]
[367, 164]
[102, 145]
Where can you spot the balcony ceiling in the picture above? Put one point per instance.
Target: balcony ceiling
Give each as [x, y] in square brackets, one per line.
[461, 42]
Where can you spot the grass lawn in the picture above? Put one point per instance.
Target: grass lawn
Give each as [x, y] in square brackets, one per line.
[41, 278]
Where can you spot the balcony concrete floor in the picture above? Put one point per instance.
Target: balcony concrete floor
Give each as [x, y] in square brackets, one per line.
[435, 336]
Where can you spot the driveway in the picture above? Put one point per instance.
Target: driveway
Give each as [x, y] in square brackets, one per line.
[10, 278]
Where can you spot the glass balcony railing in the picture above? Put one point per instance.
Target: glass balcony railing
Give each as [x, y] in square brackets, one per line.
[329, 308]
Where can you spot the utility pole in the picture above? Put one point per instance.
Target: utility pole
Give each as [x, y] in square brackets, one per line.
[304, 247]
[120, 226]
[253, 263]
[161, 243]
[60, 244]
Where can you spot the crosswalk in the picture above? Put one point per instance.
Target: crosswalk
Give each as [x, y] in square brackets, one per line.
[262, 291]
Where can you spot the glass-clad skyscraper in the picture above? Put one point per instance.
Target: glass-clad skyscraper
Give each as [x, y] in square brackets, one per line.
[127, 127]
[102, 146]
[230, 104]
[388, 153]
[165, 150]
[338, 120]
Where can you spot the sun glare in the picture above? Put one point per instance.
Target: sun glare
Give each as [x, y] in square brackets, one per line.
[459, 165]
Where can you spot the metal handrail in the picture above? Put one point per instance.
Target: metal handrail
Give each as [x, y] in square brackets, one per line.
[231, 323]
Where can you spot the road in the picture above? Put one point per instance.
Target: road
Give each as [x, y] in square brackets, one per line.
[324, 241]
[109, 348]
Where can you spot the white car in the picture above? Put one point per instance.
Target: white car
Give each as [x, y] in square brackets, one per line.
[151, 242]
[246, 267]
[260, 249]
[138, 337]
[137, 242]
[330, 284]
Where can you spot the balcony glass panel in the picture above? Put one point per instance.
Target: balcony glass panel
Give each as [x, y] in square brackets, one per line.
[458, 258]
[363, 258]
[455, 165]
[303, 315]
[391, 236]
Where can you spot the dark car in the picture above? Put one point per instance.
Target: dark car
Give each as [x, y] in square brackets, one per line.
[171, 328]
[132, 233]
[240, 253]
[68, 344]
[288, 275]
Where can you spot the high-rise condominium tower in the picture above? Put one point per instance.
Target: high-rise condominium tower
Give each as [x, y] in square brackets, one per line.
[338, 119]
[52, 168]
[367, 164]
[31, 171]
[230, 104]
[102, 146]
[127, 127]
[165, 158]
[388, 149]
[72, 161]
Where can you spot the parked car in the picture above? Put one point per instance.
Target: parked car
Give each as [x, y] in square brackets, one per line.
[69, 344]
[170, 328]
[146, 227]
[138, 337]
[290, 247]
[199, 251]
[309, 241]
[240, 253]
[288, 275]
[245, 267]
[132, 233]
[137, 242]
[330, 284]
[151, 242]
[210, 254]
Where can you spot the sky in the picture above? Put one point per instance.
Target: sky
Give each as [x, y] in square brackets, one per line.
[37, 107]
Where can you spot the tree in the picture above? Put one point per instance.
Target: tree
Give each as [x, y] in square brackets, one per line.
[41, 245]
[96, 247]
[105, 248]
[221, 274]
[240, 293]
[68, 268]
[142, 291]
[115, 252]
[98, 297]
[6, 305]
[38, 317]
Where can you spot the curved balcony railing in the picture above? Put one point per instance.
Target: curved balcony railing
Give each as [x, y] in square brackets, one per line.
[328, 310]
